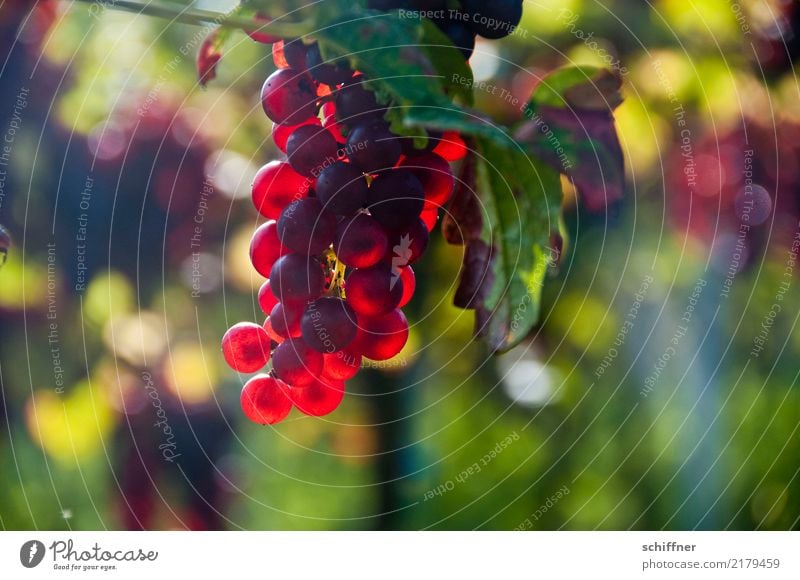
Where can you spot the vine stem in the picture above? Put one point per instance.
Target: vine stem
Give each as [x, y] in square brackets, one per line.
[202, 17]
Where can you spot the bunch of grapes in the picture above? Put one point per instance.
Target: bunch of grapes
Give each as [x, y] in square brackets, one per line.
[348, 212]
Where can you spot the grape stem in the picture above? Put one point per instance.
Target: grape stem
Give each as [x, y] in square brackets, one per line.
[195, 16]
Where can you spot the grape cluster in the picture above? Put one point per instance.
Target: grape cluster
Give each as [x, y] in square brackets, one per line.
[348, 212]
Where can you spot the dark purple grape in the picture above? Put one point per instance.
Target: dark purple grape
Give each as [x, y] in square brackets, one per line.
[310, 149]
[360, 241]
[395, 198]
[297, 278]
[327, 72]
[306, 228]
[295, 363]
[372, 147]
[285, 319]
[342, 188]
[460, 34]
[355, 104]
[407, 245]
[494, 19]
[374, 291]
[328, 325]
[294, 51]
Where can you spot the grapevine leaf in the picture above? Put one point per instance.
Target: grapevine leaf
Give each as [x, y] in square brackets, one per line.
[464, 121]
[388, 49]
[581, 87]
[570, 126]
[462, 222]
[446, 58]
[505, 265]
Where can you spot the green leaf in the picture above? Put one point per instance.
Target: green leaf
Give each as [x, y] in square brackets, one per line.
[448, 60]
[583, 87]
[386, 48]
[506, 264]
[465, 121]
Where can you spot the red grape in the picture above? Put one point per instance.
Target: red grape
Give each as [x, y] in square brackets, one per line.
[275, 186]
[329, 324]
[319, 398]
[296, 363]
[289, 97]
[382, 337]
[246, 347]
[451, 146]
[342, 365]
[373, 291]
[430, 216]
[329, 121]
[265, 400]
[266, 248]
[434, 174]
[360, 241]
[409, 285]
[274, 336]
[266, 299]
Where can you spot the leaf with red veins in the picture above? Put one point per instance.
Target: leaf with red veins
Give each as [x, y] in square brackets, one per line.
[570, 125]
[463, 219]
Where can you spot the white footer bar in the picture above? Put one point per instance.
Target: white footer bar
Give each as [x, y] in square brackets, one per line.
[400, 555]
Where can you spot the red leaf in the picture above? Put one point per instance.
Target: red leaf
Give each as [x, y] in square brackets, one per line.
[207, 58]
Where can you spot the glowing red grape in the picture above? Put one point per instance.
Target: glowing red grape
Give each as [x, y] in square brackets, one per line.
[451, 146]
[266, 299]
[435, 175]
[246, 347]
[382, 337]
[289, 97]
[265, 400]
[409, 285]
[360, 241]
[374, 291]
[265, 248]
[342, 365]
[275, 186]
[320, 397]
